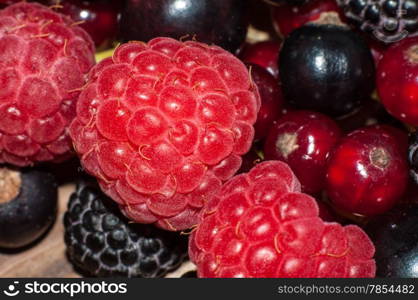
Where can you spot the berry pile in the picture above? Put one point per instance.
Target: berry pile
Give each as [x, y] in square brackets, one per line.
[271, 145]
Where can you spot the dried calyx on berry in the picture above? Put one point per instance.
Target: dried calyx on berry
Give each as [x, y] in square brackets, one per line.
[304, 140]
[28, 205]
[387, 20]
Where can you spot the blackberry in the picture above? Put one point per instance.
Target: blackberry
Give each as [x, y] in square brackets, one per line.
[102, 242]
[387, 20]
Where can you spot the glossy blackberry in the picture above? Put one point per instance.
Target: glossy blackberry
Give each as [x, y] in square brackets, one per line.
[413, 155]
[102, 242]
[387, 20]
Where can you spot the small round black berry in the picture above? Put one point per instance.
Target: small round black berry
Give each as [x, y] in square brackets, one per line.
[28, 205]
[395, 236]
[326, 68]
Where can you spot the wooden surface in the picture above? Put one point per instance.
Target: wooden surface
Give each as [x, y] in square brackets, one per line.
[47, 258]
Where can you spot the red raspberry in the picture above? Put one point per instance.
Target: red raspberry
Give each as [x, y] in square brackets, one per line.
[265, 54]
[43, 62]
[162, 124]
[260, 225]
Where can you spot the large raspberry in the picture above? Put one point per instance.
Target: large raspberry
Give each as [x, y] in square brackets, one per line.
[162, 125]
[44, 57]
[260, 225]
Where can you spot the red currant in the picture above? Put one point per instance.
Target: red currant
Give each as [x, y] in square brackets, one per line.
[367, 172]
[397, 80]
[271, 100]
[303, 139]
[264, 54]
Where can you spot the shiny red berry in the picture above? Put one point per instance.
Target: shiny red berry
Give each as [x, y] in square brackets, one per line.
[264, 54]
[303, 139]
[397, 80]
[271, 100]
[287, 17]
[367, 172]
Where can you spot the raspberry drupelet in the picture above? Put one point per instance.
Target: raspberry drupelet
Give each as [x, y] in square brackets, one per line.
[162, 125]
